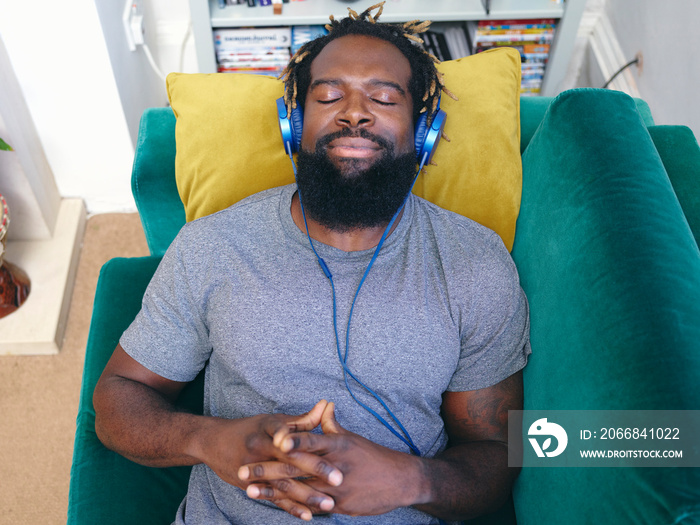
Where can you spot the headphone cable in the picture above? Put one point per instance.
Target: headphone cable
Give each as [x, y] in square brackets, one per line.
[405, 438]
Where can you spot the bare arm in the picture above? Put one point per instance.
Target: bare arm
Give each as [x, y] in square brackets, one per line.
[470, 478]
[136, 416]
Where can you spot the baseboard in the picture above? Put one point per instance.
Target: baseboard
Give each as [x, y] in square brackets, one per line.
[606, 57]
[39, 325]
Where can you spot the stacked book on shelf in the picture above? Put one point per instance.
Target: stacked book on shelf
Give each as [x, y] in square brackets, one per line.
[260, 50]
[532, 38]
[446, 40]
[267, 50]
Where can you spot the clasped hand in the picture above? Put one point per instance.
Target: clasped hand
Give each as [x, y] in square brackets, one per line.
[337, 471]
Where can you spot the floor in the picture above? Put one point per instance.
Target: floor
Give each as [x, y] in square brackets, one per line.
[39, 395]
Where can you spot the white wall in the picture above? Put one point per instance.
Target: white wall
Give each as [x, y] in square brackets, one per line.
[667, 35]
[26, 179]
[86, 91]
[175, 44]
[60, 59]
[140, 86]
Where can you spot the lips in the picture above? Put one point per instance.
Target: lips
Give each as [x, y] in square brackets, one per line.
[353, 147]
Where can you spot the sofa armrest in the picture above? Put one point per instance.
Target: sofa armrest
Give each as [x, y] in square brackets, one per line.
[105, 487]
[612, 274]
[532, 110]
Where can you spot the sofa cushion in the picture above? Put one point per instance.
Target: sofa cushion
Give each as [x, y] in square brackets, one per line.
[229, 144]
[102, 480]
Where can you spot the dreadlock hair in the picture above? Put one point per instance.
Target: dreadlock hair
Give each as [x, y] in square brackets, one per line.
[426, 81]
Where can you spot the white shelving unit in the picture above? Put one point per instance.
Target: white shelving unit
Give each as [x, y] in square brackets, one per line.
[207, 15]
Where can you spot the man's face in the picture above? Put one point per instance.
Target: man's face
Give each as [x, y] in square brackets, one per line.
[357, 160]
[358, 103]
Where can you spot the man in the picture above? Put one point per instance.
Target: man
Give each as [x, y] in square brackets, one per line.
[430, 333]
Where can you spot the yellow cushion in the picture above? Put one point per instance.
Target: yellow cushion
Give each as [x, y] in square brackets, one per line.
[229, 144]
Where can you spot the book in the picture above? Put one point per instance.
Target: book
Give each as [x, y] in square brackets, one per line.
[447, 40]
[436, 45]
[538, 37]
[263, 50]
[531, 38]
[303, 34]
[271, 72]
[259, 36]
[262, 59]
[518, 24]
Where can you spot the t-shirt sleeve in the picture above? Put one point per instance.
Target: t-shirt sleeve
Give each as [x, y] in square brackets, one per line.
[494, 323]
[169, 336]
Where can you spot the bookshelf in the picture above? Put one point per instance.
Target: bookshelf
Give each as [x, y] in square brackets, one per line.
[207, 15]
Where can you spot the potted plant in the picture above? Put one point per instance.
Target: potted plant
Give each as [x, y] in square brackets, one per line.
[14, 282]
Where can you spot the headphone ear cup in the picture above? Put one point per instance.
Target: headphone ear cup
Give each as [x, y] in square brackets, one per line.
[420, 132]
[290, 126]
[297, 122]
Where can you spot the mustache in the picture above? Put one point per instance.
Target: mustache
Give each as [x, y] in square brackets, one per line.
[324, 141]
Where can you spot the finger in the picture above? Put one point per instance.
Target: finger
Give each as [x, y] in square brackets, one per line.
[280, 436]
[301, 423]
[295, 509]
[296, 464]
[329, 425]
[268, 471]
[290, 489]
[319, 444]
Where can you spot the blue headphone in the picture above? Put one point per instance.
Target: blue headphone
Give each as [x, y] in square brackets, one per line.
[426, 136]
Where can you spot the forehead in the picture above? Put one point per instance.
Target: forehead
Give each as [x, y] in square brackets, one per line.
[361, 56]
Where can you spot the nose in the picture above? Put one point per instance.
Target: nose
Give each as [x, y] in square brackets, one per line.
[354, 112]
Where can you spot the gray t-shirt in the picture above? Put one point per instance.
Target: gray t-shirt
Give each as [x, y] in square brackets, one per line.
[241, 293]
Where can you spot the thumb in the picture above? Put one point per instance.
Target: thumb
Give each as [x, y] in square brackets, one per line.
[328, 423]
[310, 420]
[302, 423]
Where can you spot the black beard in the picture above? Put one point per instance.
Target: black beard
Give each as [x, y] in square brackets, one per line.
[346, 198]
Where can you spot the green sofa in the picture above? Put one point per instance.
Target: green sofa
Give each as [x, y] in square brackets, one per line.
[607, 253]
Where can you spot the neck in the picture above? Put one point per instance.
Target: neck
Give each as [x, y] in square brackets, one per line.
[357, 239]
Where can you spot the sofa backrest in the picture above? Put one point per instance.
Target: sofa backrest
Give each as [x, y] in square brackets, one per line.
[153, 176]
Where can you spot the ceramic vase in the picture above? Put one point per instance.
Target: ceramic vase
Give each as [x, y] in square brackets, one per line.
[14, 282]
